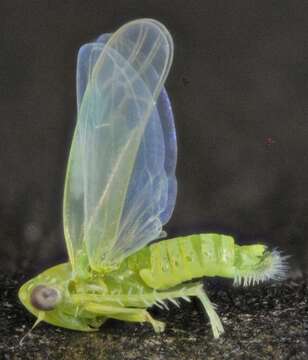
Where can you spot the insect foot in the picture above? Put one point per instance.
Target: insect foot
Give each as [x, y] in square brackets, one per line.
[158, 326]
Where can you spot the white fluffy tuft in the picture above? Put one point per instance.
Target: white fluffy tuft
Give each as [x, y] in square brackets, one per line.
[273, 267]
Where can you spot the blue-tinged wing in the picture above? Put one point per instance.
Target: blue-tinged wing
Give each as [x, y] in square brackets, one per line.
[120, 184]
[87, 57]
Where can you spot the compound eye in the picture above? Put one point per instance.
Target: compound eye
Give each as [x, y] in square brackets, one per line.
[45, 298]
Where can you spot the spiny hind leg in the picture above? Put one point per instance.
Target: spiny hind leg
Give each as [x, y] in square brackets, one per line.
[126, 314]
[216, 324]
[197, 290]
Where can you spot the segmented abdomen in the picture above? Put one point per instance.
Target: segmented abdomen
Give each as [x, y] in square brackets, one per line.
[181, 259]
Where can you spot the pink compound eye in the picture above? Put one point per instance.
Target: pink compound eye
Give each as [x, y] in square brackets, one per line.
[45, 298]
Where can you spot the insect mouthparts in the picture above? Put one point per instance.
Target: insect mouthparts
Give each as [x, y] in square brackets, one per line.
[45, 298]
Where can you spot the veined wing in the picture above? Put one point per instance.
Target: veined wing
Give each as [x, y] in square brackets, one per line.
[120, 185]
[87, 57]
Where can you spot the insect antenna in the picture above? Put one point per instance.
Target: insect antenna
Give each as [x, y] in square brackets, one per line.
[40, 318]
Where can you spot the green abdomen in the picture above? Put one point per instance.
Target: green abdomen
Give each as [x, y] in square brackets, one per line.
[171, 262]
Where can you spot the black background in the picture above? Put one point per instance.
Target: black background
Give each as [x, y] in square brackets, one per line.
[238, 87]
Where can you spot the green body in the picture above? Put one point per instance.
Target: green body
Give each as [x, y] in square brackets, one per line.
[151, 276]
[120, 191]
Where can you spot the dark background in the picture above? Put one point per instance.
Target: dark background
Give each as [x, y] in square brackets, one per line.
[238, 87]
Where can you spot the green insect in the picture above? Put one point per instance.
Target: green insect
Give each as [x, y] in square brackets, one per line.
[120, 190]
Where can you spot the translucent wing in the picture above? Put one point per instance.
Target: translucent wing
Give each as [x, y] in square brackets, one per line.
[120, 184]
[87, 57]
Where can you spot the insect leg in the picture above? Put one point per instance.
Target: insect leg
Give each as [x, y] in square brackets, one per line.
[196, 289]
[125, 314]
[216, 324]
